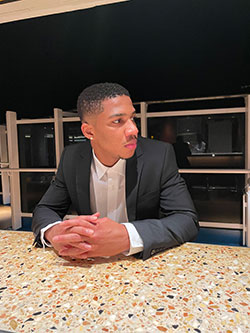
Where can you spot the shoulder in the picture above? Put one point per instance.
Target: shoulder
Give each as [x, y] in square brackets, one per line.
[77, 148]
[157, 155]
[74, 153]
[153, 146]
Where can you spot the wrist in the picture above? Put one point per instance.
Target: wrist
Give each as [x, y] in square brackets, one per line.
[48, 235]
[126, 240]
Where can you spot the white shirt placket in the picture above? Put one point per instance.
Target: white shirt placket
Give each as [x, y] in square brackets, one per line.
[112, 195]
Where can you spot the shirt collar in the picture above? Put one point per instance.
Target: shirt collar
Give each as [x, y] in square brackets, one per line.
[101, 169]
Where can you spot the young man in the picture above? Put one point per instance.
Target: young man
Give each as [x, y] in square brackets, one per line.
[126, 190]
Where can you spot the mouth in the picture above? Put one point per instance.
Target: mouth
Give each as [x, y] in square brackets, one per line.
[132, 144]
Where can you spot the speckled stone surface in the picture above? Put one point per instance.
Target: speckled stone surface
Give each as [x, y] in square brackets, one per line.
[192, 288]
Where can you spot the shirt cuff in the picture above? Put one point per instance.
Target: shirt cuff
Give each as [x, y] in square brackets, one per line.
[42, 231]
[136, 242]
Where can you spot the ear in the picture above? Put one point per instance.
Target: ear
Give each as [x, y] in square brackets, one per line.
[87, 131]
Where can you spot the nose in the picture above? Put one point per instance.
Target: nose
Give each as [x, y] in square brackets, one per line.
[131, 128]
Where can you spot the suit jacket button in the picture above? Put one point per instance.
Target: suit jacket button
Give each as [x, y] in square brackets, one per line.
[153, 252]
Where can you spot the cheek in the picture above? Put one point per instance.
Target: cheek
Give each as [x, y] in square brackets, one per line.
[116, 136]
[110, 137]
[109, 141]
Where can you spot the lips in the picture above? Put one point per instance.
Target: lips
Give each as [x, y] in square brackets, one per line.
[131, 145]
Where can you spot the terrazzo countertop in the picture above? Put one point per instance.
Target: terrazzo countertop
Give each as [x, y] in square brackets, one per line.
[192, 288]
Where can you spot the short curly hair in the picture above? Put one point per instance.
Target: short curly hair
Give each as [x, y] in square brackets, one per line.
[90, 100]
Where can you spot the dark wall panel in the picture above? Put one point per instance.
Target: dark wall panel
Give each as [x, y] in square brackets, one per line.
[158, 49]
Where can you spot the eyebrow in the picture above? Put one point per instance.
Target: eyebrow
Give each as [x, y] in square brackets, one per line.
[121, 114]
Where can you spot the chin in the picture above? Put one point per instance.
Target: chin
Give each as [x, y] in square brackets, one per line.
[128, 155]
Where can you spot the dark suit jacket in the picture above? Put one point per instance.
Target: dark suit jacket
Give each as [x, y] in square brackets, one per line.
[158, 203]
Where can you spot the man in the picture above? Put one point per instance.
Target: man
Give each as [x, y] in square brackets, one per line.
[126, 190]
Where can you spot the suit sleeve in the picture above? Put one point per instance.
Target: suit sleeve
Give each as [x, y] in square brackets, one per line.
[178, 221]
[54, 204]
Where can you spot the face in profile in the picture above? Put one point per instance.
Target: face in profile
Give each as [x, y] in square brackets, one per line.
[114, 131]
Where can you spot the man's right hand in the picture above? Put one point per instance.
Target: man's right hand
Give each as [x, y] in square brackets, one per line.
[61, 237]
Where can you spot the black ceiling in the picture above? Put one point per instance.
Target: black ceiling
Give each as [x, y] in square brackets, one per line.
[158, 49]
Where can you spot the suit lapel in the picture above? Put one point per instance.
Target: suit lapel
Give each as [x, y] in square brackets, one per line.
[133, 173]
[83, 178]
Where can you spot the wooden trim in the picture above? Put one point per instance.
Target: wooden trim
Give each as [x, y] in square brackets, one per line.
[144, 127]
[34, 121]
[59, 143]
[220, 171]
[28, 170]
[200, 112]
[221, 225]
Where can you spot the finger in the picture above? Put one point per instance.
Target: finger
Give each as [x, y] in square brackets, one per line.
[83, 221]
[79, 245]
[61, 247]
[83, 228]
[103, 219]
[72, 252]
[66, 246]
[82, 245]
[92, 217]
[67, 238]
[82, 231]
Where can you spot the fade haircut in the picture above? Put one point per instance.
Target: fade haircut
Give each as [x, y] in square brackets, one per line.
[90, 100]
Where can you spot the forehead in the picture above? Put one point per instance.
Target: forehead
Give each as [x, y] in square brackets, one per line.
[117, 105]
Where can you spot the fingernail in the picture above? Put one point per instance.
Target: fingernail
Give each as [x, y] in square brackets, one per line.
[87, 246]
[90, 231]
[93, 217]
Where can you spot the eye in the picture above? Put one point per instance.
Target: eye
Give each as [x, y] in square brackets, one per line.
[117, 121]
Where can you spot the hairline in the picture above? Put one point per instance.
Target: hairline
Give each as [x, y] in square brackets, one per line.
[101, 108]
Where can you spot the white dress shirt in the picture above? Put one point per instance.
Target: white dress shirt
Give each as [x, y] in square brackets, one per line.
[107, 196]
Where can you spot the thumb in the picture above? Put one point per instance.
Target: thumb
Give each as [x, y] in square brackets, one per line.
[97, 214]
